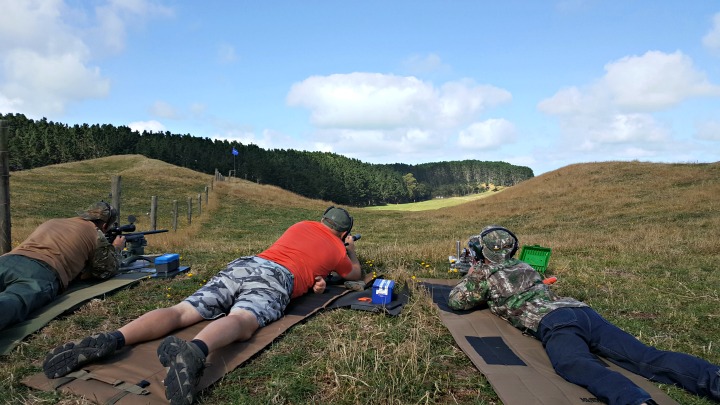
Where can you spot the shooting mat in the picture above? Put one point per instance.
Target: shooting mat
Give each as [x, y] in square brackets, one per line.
[515, 364]
[114, 380]
[78, 293]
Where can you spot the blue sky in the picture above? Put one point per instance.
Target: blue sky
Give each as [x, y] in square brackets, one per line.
[542, 84]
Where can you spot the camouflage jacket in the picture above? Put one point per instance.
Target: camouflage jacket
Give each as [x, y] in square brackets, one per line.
[513, 290]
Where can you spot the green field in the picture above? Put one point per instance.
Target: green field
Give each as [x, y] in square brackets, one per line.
[433, 204]
[640, 242]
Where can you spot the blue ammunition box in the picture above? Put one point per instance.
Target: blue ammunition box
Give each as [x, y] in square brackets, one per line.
[167, 263]
[382, 291]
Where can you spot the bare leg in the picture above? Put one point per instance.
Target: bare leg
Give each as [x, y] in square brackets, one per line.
[159, 322]
[238, 326]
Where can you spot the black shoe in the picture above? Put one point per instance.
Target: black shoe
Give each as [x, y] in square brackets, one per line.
[186, 363]
[73, 355]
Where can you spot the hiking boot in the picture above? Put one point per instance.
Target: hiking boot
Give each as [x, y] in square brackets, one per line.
[73, 355]
[355, 285]
[186, 363]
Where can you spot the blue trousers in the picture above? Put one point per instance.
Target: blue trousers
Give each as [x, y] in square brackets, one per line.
[25, 285]
[572, 338]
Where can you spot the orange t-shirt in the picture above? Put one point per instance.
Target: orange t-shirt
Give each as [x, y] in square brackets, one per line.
[309, 249]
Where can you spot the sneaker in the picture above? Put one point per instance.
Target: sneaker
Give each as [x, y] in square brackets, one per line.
[355, 285]
[186, 363]
[73, 355]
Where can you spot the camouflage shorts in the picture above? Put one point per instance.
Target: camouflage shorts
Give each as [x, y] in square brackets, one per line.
[251, 283]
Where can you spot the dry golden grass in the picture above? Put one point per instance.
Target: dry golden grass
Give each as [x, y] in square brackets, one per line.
[638, 241]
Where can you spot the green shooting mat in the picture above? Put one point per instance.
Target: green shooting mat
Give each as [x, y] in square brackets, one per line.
[134, 374]
[78, 293]
[515, 364]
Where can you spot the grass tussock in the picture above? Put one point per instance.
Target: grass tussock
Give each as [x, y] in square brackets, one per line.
[638, 241]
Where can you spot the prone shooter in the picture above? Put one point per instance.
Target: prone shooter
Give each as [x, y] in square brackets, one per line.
[135, 242]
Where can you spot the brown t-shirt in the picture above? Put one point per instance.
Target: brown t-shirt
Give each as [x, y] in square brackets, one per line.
[69, 246]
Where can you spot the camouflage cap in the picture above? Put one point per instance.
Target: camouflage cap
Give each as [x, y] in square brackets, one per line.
[99, 210]
[338, 219]
[498, 244]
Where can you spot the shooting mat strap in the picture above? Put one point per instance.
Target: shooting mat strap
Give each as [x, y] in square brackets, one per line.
[69, 300]
[139, 364]
[515, 364]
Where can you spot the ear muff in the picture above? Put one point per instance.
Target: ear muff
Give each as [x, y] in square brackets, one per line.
[500, 228]
[113, 213]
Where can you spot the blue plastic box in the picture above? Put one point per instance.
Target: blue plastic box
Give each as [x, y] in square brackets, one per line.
[382, 291]
[167, 263]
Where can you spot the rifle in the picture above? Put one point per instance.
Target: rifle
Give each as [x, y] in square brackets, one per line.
[135, 242]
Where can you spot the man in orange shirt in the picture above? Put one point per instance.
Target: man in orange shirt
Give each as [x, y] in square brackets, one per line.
[250, 293]
[56, 252]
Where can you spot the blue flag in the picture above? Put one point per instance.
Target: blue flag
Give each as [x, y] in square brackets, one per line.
[234, 152]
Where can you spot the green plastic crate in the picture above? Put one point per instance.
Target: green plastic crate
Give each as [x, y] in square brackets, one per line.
[536, 256]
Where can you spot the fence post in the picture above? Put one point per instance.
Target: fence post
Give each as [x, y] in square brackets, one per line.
[153, 213]
[116, 189]
[207, 191]
[189, 214]
[175, 215]
[5, 225]
[199, 204]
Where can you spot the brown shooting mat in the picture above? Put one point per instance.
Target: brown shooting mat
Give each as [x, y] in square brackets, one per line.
[515, 364]
[78, 293]
[134, 374]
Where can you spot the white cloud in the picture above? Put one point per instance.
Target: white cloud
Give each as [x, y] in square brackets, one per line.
[489, 134]
[372, 116]
[114, 16]
[46, 61]
[150, 126]
[10, 105]
[163, 109]
[712, 39]
[708, 130]
[655, 81]
[377, 101]
[615, 113]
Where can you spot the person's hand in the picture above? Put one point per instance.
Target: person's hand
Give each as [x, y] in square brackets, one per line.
[119, 242]
[319, 286]
[350, 242]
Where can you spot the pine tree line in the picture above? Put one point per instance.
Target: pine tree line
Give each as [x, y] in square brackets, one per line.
[327, 176]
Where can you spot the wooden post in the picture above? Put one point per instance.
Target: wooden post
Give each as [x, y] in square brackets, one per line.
[153, 213]
[5, 239]
[189, 210]
[175, 215]
[199, 204]
[115, 193]
[207, 191]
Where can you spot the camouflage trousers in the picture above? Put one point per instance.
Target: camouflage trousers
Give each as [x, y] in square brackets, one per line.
[249, 283]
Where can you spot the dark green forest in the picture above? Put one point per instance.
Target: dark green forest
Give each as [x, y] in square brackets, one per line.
[327, 176]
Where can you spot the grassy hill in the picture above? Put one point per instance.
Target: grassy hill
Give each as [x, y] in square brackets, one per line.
[640, 242]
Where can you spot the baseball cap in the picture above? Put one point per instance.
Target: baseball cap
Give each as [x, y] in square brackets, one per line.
[338, 219]
[99, 210]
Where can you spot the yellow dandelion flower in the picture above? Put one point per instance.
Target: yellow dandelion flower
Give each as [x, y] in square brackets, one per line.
[413, 277]
[168, 295]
